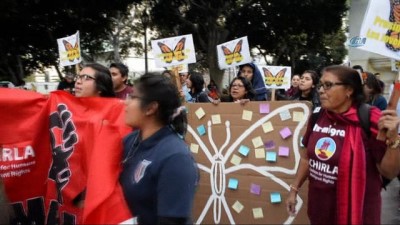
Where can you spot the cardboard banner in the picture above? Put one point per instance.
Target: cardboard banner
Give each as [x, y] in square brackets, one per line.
[247, 160]
[56, 148]
[69, 50]
[276, 77]
[233, 53]
[381, 28]
[174, 51]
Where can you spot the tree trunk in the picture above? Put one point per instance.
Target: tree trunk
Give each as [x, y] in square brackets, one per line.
[215, 37]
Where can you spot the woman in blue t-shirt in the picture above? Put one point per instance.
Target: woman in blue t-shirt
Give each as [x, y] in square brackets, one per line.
[159, 174]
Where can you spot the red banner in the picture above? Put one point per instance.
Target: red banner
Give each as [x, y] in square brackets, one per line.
[56, 149]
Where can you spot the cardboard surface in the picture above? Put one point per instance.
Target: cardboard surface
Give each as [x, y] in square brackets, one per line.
[259, 188]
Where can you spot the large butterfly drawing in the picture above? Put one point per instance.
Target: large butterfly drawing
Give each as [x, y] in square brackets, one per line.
[271, 79]
[72, 51]
[214, 203]
[177, 54]
[233, 56]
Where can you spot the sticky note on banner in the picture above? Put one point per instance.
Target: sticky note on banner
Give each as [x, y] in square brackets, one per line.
[194, 148]
[233, 183]
[298, 116]
[260, 153]
[283, 151]
[269, 145]
[247, 115]
[264, 108]
[255, 189]
[216, 119]
[285, 115]
[267, 127]
[258, 213]
[275, 197]
[285, 133]
[244, 150]
[257, 142]
[200, 113]
[271, 157]
[237, 206]
[235, 160]
[201, 130]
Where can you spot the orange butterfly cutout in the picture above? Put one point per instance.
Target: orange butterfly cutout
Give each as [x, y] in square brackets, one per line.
[270, 79]
[176, 54]
[72, 51]
[235, 55]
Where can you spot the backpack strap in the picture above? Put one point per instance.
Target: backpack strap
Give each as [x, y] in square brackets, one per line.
[364, 114]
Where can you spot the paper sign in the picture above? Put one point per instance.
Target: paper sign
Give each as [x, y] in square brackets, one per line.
[298, 116]
[264, 108]
[257, 142]
[276, 77]
[285, 132]
[201, 130]
[275, 197]
[244, 150]
[260, 153]
[271, 157]
[247, 115]
[216, 119]
[200, 113]
[173, 51]
[267, 127]
[234, 53]
[194, 148]
[283, 151]
[285, 115]
[69, 50]
[235, 160]
[237, 206]
[255, 189]
[233, 183]
[258, 213]
[269, 145]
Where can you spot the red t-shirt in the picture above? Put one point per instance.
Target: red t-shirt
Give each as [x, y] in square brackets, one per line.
[324, 149]
[122, 94]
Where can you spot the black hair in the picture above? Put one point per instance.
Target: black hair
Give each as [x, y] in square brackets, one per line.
[247, 85]
[103, 80]
[351, 78]
[373, 83]
[197, 82]
[121, 67]
[160, 89]
[358, 67]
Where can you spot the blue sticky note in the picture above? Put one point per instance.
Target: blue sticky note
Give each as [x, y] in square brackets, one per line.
[275, 197]
[201, 130]
[233, 183]
[285, 132]
[271, 157]
[264, 108]
[244, 150]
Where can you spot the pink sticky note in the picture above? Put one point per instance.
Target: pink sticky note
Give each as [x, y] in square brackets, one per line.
[255, 189]
[285, 132]
[283, 151]
[264, 108]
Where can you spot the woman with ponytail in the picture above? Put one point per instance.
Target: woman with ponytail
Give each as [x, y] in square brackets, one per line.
[159, 174]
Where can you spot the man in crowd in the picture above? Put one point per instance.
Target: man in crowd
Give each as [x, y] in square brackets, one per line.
[67, 84]
[119, 75]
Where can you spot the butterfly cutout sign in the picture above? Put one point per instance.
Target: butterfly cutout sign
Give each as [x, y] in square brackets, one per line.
[240, 183]
[69, 50]
[233, 53]
[174, 51]
[276, 76]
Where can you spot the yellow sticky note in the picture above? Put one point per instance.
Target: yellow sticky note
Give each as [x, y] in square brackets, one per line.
[247, 115]
[237, 206]
[258, 213]
[200, 113]
[267, 127]
[194, 148]
[235, 160]
[216, 119]
[257, 142]
[298, 116]
[260, 153]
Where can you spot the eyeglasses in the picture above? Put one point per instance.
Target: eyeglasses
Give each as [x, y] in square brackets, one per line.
[237, 85]
[84, 77]
[131, 97]
[328, 85]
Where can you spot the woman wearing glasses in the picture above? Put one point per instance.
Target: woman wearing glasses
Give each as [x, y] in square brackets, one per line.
[342, 164]
[240, 91]
[307, 88]
[94, 80]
